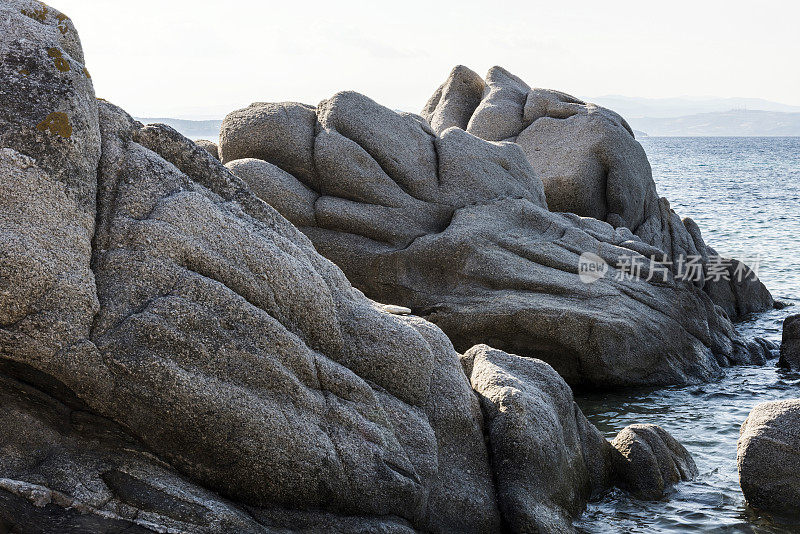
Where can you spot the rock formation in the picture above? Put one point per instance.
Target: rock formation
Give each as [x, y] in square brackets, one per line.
[769, 458]
[175, 356]
[590, 165]
[457, 229]
[790, 343]
[196, 311]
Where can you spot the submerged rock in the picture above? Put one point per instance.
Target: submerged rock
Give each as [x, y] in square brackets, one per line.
[769, 458]
[790, 343]
[458, 230]
[591, 165]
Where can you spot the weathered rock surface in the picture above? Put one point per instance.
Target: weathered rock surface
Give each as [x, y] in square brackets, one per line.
[548, 460]
[455, 101]
[209, 146]
[283, 191]
[591, 165]
[650, 461]
[191, 314]
[279, 133]
[769, 458]
[546, 457]
[790, 343]
[47, 103]
[212, 303]
[51, 147]
[458, 230]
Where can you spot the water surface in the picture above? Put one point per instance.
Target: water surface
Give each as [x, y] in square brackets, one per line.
[744, 193]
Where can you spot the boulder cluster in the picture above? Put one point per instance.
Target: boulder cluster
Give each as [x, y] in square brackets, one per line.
[181, 348]
[421, 212]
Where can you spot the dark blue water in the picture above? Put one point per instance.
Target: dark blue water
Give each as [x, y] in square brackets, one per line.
[745, 195]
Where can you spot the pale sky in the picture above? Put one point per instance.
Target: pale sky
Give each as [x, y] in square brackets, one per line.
[196, 59]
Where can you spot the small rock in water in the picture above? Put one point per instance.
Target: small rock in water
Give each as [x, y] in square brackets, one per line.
[790, 344]
[650, 461]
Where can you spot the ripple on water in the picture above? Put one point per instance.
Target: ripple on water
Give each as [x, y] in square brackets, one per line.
[728, 186]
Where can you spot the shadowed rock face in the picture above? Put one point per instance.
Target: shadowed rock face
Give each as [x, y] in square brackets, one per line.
[590, 165]
[790, 343]
[458, 229]
[769, 458]
[64, 469]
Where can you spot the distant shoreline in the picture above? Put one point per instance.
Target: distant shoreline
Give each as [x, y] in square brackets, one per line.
[734, 123]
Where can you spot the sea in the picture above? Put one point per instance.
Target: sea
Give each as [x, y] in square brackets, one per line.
[744, 193]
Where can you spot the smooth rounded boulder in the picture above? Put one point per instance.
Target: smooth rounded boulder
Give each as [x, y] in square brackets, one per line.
[650, 461]
[768, 456]
[209, 146]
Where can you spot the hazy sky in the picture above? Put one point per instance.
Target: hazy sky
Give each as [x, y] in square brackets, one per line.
[197, 58]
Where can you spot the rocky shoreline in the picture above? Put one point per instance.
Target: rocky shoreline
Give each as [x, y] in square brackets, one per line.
[181, 348]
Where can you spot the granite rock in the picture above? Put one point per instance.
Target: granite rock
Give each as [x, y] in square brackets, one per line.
[769, 458]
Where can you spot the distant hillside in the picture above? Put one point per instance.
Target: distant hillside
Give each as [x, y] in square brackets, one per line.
[726, 124]
[191, 129]
[634, 107]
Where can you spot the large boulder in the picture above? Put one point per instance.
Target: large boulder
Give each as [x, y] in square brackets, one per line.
[548, 460]
[458, 230]
[769, 458]
[790, 343]
[591, 165]
[50, 142]
[281, 133]
[217, 356]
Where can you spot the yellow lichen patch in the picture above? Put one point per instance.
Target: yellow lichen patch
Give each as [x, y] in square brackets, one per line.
[36, 14]
[24, 72]
[86, 72]
[58, 59]
[57, 123]
[62, 23]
